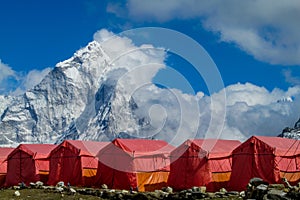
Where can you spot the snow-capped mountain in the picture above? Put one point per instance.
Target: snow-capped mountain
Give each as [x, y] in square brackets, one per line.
[293, 133]
[78, 99]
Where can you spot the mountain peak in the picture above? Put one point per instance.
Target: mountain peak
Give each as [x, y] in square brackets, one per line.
[78, 99]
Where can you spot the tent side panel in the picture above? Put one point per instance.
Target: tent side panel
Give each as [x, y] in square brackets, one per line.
[289, 168]
[241, 171]
[89, 170]
[220, 173]
[13, 176]
[253, 158]
[114, 178]
[42, 169]
[150, 181]
[65, 166]
[21, 168]
[264, 163]
[189, 170]
[71, 168]
[3, 171]
[178, 171]
[55, 164]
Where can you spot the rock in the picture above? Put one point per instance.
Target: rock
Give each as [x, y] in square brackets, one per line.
[99, 193]
[168, 189]
[104, 186]
[161, 193]
[72, 191]
[17, 193]
[277, 194]
[39, 184]
[140, 196]
[262, 187]
[198, 195]
[22, 185]
[284, 180]
[195, 189]
[203, 189]
[48, 187]
[124, 191]
[220, 194]
[16, 187]
[59, 189]
[32, 185]
[107, 194]
[189, 190]
[188, 195]
[232, 193]
[256, 188]
[223, 190]
[260, 191]
[276, 186]
[256, 181]
[210, 195]
[60, 184]
[242, 194]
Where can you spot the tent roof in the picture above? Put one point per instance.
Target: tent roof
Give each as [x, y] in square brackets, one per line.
[143, 146]
[85, 148]
[4, 152]
[38, 151]
[281, 146]
[213, 148]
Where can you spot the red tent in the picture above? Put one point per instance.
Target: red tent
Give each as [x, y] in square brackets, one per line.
[4, 152]
[74, 162]
[134, 163]
[202, 162]
[269, 158]
[28, 163]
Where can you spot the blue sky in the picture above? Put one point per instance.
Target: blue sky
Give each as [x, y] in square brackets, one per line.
[246, 43]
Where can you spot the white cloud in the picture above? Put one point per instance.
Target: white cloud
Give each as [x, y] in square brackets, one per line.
[289, 78]
[5, 71]
[141, 62]
[7, 75]
[15, 83]
[269, 30]
[250, 110]
[174, 116]
[31, 79]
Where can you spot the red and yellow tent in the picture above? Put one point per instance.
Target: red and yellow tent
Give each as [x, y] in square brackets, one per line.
[134, 163]
[28, 163]
[4, 152]
[202, 162]
[74, 162]
[269, 158]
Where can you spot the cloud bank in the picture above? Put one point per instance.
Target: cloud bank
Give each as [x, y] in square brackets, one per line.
[266, 29]
[172, 115]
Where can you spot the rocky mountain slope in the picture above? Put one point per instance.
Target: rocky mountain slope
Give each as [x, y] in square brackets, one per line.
[293, 133]
[78, 99]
